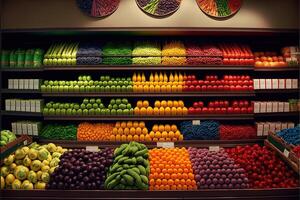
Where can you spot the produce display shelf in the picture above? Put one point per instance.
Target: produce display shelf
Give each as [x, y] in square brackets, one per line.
[277, 91]
[277, 114]
[21, 69]
[150, 118]
[15, 91]
[185, 143]
[12, 146]
[276, 69]
[21, 114]
[147, 67]
[293, 165]
[249, 194]
[135, 94]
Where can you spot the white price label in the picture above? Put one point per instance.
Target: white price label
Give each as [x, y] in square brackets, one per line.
[214, 148]
[25, 142]
[196, 122]
[92, 148]
[286, 153]
[165, 144]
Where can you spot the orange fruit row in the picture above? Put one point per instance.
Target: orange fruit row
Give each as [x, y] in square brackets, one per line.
[171, 169]
[94, 132]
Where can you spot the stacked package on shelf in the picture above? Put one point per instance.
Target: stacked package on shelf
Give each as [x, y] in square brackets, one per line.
[117, 53]
[291, 55]
[174, 53]
[26, 127]
[207, 54]
[89, 54]
[21, 58]
[146, 53]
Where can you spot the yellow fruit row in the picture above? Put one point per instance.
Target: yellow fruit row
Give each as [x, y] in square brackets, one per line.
[166, 136]
[158, 83]
[129, 131]
[166, 128]
[124, 138]
[158, 77]
[160, 111]
[163, 103]
[130, 124]
[157, 88]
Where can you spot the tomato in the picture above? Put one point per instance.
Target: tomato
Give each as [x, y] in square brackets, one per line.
[198, 88]
[235, 104]
[198, 110]
[211, 110]
[203, 87]
[194, 82]
[195, 104]
[191, 110]
[200, 104]
[221, 87]
[218, 110]
[211, 104]
[200, 82]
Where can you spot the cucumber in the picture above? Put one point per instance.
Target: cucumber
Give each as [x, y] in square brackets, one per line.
[142, 170]
[144, 179]
[129, 179]
[141, 152]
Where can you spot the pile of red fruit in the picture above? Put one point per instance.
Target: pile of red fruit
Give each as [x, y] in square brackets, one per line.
[237, 54]
[296, 150]
[237, 132]
[211, 83]
[221, 107]
[263, 168]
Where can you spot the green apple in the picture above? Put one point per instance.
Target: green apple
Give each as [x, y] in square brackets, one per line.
[88, 78]
[98, 111]
[71, 88]
[112, 101]
[126, 112]
[46, 61]
[128, 106]
[74, 111]
[45, 111]
[131, 111]
[62, 83]
[76, 88]
[61, 88]
[76, 106]
[66, 105]
[69, 111]
[51, 111]
[125, 101]
[123, 88]
[123, 79]
[49, 105]
[110, 107]
[84, 78]
[92, 100]
[118, 79]
[113, 88]
[72, 105]
[128, 79]
[102, 78]
[112, 79]
[95, 106]
[56, 105]
[107, 78]
[115, 83]
[46, 82]
[101, 105]
[55, 89]
[115, 106]
[107, 111]
[55, 83]
[104, 83]
[79, 78]
[107, 88]
[97, 88]
[118, 101]
[85, 83]
[54, 61]
[80, 83]
[110, 83]
[66, 88]
[85, 112]
[98, 101]
[125, 82]
[129, 88]
[96, 83]
[51, 83]
[93, 88]
[118, 88]
[43, 88]
[122, 106]
[92, 111]
[103, 111]
[89, 106]
[88, 88]
[82, 88]
[100, 83]
[82, 106]
[101, 88]
[57, 111]
[49, 88]
[91, 83]
[63, 111]
[61, 106]
[113, 112]
[79, 112]
[64, 61]
[120, 83]
[119, 112]
[86, 101]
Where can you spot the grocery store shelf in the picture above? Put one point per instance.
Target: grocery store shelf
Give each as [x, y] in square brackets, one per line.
[185, 143]
[131, 94]
[21, 114]
[218, 194]
[22, 69]
[224, 117]
[145, 67]
[277, 91]
[277, 114]
[20, 91]
[276, 69]
[282, 156]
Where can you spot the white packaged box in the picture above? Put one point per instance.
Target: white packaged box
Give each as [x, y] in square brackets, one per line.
[19, 128]
[274, 106]
[284, 125]
[268, 83]
[275, 84]
[32, 105]
[262, 84]
[29, 129]
[10, 84]
[266, 129]
[35, 129]
[294, 83]
[21, 84]
[24, 128]
[26, 84]
[288, 83]
[30, 84]
[38, 105]
[36, 84]
[18, 105]
[272, 127]
[13, 104]
[16, 84]
[263, 107]
[256, 107]
[23, 105]
[286, 107]
[280, 106]
[269, 107]
[14, 127]
[256, 84]
[291, 125]
[7, 105]
[259, 128]
[27, 107]
[278, 126]
[281, 84]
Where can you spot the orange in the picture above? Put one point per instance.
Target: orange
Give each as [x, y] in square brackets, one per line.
[178, 111]
[180, 138]
[171, 134]
[146, 88]
[177, 134]
[126, 131]
[179, 187]
[155, 128]
[168, 88]
[135, 138]
[174, 127]
[117, 125]
[132, 131]
[142, 125]
[155, 111]
[167, 111]
[184, 187]
[175, 104]
[140, 88]
[151, 134]
[161, 139]
[184, 111]
[158, 181]
[135, 124]
[152, 182]
[173, 187]
[163, 88]
[120, 131]
[135, 88]
[164, 181]
[182, 181]
[138, 131]
[149, 111]
[136, 111]
[139, 104]
[180, 104]
[170, 103]
[115, 131]
[129, 124]
[161, 111]
[143, 111]
[157, 134]
[145, 104]
[147, 138]
[123, 138]
[157, 104]
[161, 128]
[129, 137]
[167, 127]
[123, 124]
[151, 88]
[155, 140]
[118, 138]
[112, 138]
[157, 88]
[164, 134]
[142, 138]
[163, 103]
[174, 88]
[179, 88]
[173, 111]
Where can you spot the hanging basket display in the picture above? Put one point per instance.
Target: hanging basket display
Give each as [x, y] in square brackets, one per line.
[159, 8]
[219, 8]
[98, 8]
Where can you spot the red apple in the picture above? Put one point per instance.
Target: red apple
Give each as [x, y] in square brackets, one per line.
[191, 88]
[188, 83]
[189, 78]
[225, 77]
[185, 88]
[245, 88]
[238, 88]
[229, 110]
[191, 111]
[220, 87]
[250, 110]
[235, 104]
[217, 104]
[203, 87]
[211, 110]
[200, 82]
[246, 103]
[198, 110]
[223, 110]
[226, 87]
[241, 104]
[226, 104]
[244, 110]
[201, 104]
[195, 105]
[221, 104]
[193, 77]
[209, 87]
[215, 87]
[237, 110]
[194, 82]
[204, 110]
[250, 87]
[211, 104]
[198, 88]
[218, 110]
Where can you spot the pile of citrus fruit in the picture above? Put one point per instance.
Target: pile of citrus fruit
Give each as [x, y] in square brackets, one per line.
[130, 131]
[164, 107]
[171, 169]
[94, 132]
[157, 82]
[165, 133]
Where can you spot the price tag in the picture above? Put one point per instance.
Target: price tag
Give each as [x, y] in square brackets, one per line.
[92, 148]
[286, 153]
[196, 122]
[214, 148]
[25, 142]
[165, 144]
